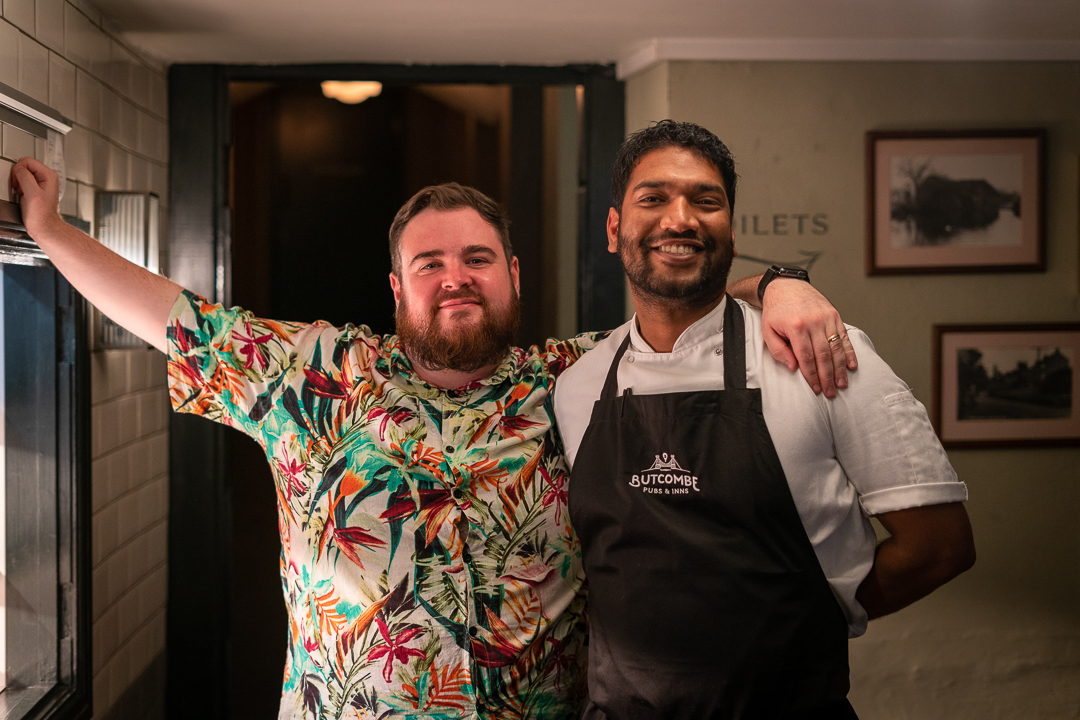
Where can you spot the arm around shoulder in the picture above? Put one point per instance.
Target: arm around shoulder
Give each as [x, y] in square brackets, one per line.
[134, 297]
[802, 330]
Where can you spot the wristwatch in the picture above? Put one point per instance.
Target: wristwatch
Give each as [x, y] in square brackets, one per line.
[776, 271]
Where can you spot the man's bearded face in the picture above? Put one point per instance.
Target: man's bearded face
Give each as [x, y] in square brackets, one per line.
[463, 346]
[655, 280]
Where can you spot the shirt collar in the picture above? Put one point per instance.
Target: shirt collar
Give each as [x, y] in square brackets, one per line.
[705, 328]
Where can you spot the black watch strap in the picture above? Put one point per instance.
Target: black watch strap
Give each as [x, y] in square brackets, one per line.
[778, 271]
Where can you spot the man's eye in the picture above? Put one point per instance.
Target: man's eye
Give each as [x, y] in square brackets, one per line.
[478, 261]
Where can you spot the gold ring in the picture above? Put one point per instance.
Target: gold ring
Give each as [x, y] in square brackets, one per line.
[833, 338]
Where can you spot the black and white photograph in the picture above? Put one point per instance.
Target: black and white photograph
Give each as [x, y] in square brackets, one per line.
[954, 202]
[1007, 384]
[1014, 383]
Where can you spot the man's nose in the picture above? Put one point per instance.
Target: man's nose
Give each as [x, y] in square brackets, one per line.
[679, 216]
[455, 275]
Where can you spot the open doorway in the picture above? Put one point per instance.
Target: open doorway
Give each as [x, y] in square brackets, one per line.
[314, 184]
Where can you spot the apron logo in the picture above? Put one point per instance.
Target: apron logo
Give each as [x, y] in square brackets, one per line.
[665, 477]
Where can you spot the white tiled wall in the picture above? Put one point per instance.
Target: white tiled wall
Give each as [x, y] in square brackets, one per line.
[56, 52]
[60, 52]
[130, 416]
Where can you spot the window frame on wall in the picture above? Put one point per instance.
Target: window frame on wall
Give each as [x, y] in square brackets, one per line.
[46, 467]
[47, 488]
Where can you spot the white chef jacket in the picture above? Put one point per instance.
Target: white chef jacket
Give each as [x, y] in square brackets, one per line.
[868, 451]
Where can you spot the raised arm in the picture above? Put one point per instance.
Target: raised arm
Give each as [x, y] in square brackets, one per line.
[797, 322]
[134, 297]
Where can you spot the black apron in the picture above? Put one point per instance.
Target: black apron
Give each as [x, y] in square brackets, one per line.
[706, 599]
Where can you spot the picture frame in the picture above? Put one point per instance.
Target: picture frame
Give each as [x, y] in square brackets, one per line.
[1006, 385]
[955, 201]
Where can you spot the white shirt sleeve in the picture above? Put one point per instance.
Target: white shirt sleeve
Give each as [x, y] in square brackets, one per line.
[884, 441]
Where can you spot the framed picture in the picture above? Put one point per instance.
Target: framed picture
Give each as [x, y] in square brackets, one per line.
[1006, 385]
[955, 202]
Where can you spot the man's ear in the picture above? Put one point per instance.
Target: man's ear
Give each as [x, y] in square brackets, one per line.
[734, 250]
[515, 276]
[612, 230]
[396, 285]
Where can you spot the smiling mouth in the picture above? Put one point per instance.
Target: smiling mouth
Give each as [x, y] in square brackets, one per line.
[678, 249]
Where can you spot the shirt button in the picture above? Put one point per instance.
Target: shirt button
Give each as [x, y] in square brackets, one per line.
[630, 359]
[718, 351]
[456, 493]
[448, 449]
[473, 631]
[466, 556]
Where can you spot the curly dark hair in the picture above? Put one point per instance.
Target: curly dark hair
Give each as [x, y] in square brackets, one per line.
[667, 133]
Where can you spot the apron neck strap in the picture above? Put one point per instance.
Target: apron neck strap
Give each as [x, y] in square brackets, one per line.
[734, 353]
[734, 346]
[611, 385]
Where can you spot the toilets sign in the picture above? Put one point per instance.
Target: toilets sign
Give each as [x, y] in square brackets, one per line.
[781, 224]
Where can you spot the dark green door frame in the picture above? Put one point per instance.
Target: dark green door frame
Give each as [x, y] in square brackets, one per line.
[199, 259]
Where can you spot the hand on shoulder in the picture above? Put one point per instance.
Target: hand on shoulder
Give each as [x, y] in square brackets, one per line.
[803, 330]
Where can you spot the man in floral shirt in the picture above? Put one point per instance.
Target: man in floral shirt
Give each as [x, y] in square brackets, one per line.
[428, 563]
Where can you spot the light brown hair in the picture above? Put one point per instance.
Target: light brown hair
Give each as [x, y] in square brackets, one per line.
[448, 196]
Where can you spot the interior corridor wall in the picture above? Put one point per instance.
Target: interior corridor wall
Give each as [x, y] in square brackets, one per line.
[63, 54]
[1003, 640]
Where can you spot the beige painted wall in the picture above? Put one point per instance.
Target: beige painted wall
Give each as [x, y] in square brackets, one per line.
[1002, 641]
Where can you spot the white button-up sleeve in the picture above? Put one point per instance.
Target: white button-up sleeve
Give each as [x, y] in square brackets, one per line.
[884, 440]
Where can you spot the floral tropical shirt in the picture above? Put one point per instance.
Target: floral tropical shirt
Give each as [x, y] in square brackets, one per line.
[427, 560]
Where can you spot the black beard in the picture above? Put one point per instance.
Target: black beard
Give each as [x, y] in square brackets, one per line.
[463, 349]
[710, 283]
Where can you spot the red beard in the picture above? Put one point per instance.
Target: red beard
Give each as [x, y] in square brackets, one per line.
[464, 349]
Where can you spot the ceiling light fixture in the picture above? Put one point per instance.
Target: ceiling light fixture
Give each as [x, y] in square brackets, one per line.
[351, 93]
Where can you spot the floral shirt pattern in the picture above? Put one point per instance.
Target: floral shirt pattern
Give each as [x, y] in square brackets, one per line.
[427, 562]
